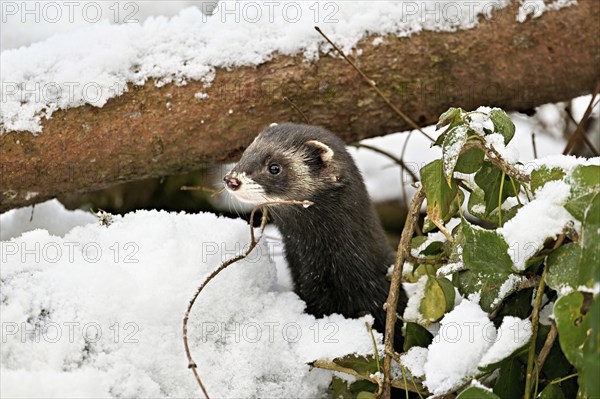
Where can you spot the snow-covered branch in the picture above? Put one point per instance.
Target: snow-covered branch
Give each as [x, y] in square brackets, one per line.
[156, 130]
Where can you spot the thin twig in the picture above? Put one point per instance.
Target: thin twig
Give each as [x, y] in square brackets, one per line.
[332, 366]
[533, 145]
[213, 191]
[253, 242]
[496, 158]
[374, 345]
[395, 286]
[297, 110]
[535, 318]
[425, 261]
[550, 338]
[579, 130]
[584, 137]
[374, 86]
[394, 158]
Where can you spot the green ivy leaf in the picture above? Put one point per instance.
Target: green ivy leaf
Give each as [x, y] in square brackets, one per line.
[577, 205]
[543, 175]
[451, 148]
[477, 393]
[449, 293]
[478, 242]
[573, 326]
[437, 300]
[585, 179]
[563, 267]
[578, 264]
[365, 395]
[340, 389]
[416, 335]
[591, 353]
[439, 194]
[470, 161]
[365, 365]
[511, 380]
[585, 184]
[435, 248]
[489, 179]
[552, 391]
[503, 124]
[452, 115]
[485, 255]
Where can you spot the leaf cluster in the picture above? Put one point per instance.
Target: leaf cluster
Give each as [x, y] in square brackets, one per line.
[471, 257]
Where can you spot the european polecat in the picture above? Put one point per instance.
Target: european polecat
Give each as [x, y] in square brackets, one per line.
[336, 249]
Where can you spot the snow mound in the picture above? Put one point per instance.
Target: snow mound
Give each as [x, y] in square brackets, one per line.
[98, 313]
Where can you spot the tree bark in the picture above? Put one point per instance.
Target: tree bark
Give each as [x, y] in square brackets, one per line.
[138, 135]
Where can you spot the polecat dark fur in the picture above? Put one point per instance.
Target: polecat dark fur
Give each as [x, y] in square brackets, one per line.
[336, 249]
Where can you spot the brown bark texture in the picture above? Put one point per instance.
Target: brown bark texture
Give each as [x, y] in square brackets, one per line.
[154, 131]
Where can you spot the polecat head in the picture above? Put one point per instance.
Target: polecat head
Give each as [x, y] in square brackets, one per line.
[290, 162]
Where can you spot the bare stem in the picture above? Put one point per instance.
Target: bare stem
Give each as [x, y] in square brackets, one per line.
[535, 317]
[396, 285]
[578, 133]
[495, 158]
[253, 242]
[550, 338]
[394, 158]
[374, 86]
[295, 107]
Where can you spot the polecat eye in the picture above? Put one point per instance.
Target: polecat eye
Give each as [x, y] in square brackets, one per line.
[274, 169]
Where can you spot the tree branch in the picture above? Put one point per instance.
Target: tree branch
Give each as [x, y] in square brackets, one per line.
[136, 136]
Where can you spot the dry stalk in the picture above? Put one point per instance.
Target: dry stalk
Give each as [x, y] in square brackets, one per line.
[578, 133]
[392, 301]
[550, 338]
[372, 83]
[496, 158]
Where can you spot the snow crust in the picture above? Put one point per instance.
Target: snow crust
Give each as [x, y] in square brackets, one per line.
[540, 219]
[466, 340]
[513, 334]
[535, 8]
[415, 360]
[97, 312]
[466, 333]
[415, 293]
[43, 216]
[97, 62]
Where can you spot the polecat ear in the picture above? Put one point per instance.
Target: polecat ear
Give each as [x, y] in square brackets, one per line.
[326, 153]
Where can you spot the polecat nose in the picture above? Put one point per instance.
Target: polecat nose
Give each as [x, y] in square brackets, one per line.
[232, 182]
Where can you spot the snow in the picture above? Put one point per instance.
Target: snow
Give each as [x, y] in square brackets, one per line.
[415, 293]
[547, 314]
[50, 216]
[480, 120]
[513, 334]
[477, 384]
[452, 148]
[433, 237]
[382, 175]
[538, 220]
[536, 8]
[465, 335]
[414, 360]
[106, 305]
[565, 162]
[96, 62]
[508, 287]
[509, 153]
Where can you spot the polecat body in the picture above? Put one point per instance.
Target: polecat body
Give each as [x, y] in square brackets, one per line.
[336, 249]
